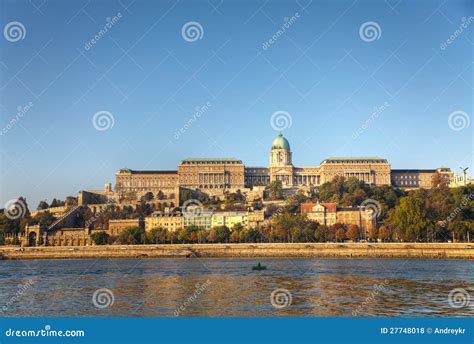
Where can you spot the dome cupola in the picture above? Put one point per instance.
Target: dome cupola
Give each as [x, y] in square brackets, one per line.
[281, 143]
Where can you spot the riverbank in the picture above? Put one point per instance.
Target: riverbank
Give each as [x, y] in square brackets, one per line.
[337, 250]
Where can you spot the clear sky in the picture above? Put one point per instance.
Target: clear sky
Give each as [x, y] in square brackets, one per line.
[385, 91]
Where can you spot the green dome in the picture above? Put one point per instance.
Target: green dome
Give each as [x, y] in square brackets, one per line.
[281, 143]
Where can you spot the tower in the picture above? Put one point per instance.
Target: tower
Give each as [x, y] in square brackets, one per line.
[281, 167]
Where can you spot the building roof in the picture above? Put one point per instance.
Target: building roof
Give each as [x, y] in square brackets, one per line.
[332, 207]
[308, 207]
[373, 159]
[280, 142]
[211, 160]
[414, 171]
[127, 170]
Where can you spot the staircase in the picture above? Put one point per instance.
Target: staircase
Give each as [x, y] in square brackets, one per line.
[65, 219]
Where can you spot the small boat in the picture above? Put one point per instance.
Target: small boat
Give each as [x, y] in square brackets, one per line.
[259, 267]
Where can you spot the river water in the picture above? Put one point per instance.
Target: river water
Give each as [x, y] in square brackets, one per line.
[228, 287]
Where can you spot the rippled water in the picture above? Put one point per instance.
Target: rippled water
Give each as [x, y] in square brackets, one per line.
[229, 287]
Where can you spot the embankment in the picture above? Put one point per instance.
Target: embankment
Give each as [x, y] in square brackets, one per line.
[335, 250]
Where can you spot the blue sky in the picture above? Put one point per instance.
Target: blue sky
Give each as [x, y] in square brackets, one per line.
[321, 70]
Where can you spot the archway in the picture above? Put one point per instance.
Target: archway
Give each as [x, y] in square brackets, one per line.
[32, 239]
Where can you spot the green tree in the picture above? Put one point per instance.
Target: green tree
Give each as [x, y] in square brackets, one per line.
[275, 190]
[132, 236]
[410, 216]
[156, 236]
[100, 238]
[42, 205]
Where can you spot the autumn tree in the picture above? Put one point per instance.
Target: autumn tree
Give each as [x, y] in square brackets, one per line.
[383, 233]
[353, 233]
[340, 234]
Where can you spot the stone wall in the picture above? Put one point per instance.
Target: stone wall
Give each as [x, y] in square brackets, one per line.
[343, 250]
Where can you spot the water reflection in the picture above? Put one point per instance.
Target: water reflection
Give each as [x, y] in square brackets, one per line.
[158, 287]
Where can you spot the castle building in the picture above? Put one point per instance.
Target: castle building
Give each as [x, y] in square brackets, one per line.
[217, 175]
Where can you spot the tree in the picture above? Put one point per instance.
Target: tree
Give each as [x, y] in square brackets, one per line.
[100, 238]
[156, 236]
[410, 216]
[235, 237]
[56, 203]
[275, 190]
[383, 233]
[353, 233]
[132, 236]
[148, 197]
[340, 234]
[373, 233]
[321, 234]
[71, 201]
[212, 236]
[42, 205]
[222, 233]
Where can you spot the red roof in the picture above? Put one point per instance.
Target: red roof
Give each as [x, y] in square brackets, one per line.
[308, 207]
[332, 207]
